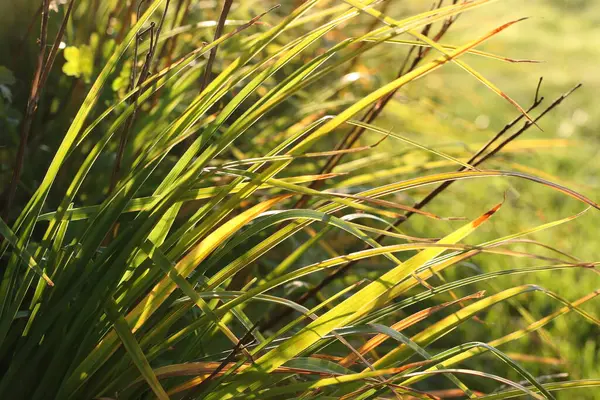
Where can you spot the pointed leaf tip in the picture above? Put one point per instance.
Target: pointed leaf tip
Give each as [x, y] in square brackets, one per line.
[48, 280]
[487, 215]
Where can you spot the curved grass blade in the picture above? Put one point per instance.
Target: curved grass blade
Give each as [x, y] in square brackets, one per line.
[135, 352]
[411, 142]
[367, 299]
[427, 40]
[453, 47]
[516, 334]
[553, 386]
[150, 303]
[398, 336]
[143, 203]
[403, 324]
[23, 254]
[394, 85]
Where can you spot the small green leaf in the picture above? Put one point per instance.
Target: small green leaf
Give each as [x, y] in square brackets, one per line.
[80, 62]
[6, 76]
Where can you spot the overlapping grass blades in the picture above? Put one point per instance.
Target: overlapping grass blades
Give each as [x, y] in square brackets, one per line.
[167, 283]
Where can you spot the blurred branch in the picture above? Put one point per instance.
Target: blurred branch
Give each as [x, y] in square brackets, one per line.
[240, 345]
[213, 52]
[473, 160]
[30, 110]
[145, 72]
[56, 45]
[167, 48]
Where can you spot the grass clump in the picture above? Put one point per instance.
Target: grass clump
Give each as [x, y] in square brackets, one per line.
[213, 204]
